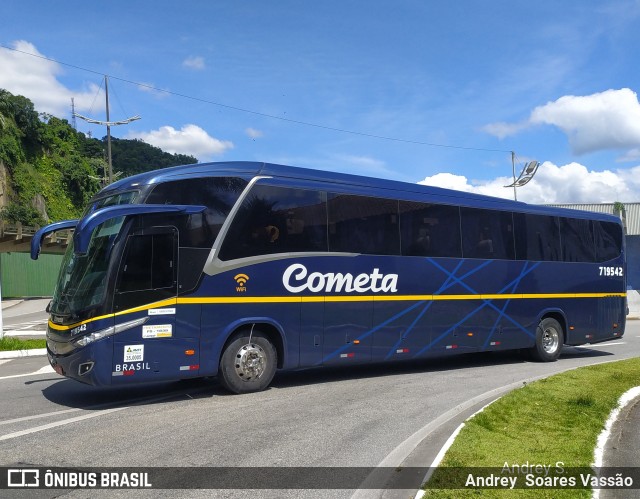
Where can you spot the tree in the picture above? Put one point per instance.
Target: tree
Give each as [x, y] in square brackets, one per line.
[47, 160]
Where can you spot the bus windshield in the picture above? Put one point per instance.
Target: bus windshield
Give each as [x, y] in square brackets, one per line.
[82, 281]
[127, 197]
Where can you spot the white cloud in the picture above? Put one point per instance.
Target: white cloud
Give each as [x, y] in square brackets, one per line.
[36, 79]
[571, 183]
[190, 139]
[194, 62]
[605, 120]
[608, 120]
[254, 134]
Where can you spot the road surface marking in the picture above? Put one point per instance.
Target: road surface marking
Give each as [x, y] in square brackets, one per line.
[36, 429]
[596, 345]
[38, 416]
[43, 370]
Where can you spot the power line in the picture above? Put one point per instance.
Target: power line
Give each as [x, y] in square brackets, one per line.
[258, 113]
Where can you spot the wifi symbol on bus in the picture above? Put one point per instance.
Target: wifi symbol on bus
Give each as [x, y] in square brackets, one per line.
[241, 279]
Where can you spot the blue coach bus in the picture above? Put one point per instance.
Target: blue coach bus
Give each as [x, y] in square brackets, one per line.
[238, 269]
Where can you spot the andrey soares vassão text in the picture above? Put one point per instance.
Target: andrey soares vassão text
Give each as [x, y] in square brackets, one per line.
[556, 475]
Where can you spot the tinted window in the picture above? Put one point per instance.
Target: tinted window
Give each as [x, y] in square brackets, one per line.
[577, 240]
[537, 237]
[487, 234]
[277, 220]
[149, 263]
[430, 229]
[218, 194]
[127, 197]
[362, 224]
[148, 269]
[608, 240]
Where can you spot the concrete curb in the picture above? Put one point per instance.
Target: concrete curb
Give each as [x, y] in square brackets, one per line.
[6, 304]
[15, 354]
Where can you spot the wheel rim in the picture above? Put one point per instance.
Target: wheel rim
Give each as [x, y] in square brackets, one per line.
[550, 339]
[250, 362]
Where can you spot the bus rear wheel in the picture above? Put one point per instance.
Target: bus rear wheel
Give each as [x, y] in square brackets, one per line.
[549, 341]
[248, 363]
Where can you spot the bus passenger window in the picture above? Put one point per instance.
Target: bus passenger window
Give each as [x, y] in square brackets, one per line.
[537, 237]
[487, 234]
[608, 239]
[218, 194]
[577, 240]
[275, 219]
[430, 230]
[362, 224]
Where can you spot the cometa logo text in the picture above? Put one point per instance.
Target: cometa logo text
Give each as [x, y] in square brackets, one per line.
[296, 279]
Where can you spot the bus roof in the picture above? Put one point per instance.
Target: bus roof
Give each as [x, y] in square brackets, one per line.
[391, 188]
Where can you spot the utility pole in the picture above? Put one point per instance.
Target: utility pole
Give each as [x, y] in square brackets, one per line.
[73, 115]
[109, 124]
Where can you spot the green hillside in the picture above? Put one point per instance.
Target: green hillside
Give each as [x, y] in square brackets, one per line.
[48, 171]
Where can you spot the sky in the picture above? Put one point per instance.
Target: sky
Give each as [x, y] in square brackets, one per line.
[432, 91]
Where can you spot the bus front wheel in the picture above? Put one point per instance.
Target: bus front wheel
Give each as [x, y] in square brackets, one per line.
[248, 363]
[549, 341]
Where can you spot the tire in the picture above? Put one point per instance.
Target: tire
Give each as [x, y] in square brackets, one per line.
[245, 366]
[549, 341]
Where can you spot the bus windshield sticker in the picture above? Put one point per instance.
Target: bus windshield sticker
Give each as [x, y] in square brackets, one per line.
[162, 311]
[157, 331]
[133, 353]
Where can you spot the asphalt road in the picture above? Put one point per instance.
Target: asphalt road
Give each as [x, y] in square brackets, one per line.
[25, 318]
[357, 417]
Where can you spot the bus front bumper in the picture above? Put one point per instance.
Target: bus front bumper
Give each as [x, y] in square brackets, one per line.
[82, 364]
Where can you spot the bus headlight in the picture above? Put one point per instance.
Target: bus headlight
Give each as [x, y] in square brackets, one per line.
[110, 331]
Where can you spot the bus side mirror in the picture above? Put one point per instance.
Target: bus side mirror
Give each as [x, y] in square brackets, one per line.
[36, 242]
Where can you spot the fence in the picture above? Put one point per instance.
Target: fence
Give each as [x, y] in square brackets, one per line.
[23, 277]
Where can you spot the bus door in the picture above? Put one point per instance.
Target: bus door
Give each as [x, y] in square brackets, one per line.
[150, 346]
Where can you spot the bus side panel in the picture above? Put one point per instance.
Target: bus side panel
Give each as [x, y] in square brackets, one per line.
[347, 332]
[221, 321]
[401, 329]
[311, 334]
[164, 347]
[611, 317]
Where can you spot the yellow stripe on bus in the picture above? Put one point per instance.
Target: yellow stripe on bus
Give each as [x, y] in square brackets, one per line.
[230, 300]
[158, 304]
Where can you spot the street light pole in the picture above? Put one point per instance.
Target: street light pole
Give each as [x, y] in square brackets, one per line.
[526, 175]
[106, 91]
[513, 168]
[109, 124]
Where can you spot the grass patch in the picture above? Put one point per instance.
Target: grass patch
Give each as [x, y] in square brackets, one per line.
[9, 343]
[557, 419]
